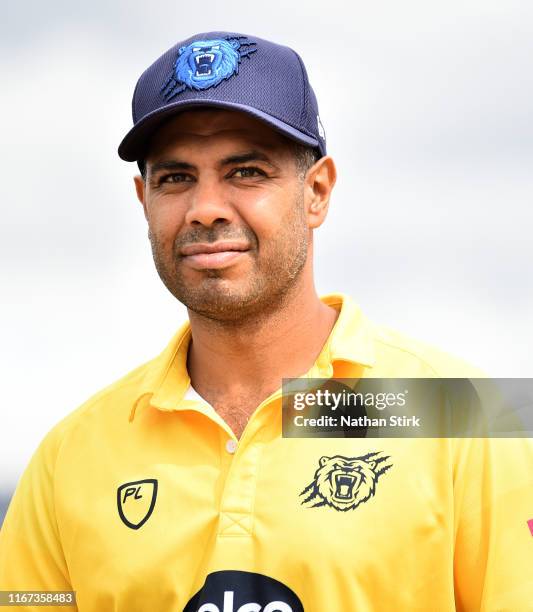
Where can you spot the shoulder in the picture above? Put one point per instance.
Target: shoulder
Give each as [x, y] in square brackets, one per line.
[386, 352]
[109, 411]
[397, 355]
[106, 409]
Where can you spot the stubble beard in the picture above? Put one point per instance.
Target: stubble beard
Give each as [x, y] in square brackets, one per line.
[276, 270]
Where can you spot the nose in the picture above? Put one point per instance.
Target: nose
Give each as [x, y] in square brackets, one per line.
[208, 204]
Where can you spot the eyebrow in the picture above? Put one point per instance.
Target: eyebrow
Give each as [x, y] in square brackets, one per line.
[240, 158]
[169, 164]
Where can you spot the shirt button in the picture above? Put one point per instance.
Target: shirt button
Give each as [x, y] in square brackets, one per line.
[231, 446]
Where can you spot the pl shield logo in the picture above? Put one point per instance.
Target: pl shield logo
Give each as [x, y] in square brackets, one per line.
[235, 591]
[205, 63]
[136, 501]
[344, 483]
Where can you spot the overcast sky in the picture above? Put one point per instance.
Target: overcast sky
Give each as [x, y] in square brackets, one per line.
[428, 110]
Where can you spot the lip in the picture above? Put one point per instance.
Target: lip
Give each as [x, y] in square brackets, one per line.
[202, 256]
[213, 247]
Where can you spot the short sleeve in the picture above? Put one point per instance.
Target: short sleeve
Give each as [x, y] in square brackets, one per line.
[493, 492]
[31, 555]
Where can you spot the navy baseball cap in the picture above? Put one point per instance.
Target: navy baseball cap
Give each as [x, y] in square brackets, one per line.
[230, 71]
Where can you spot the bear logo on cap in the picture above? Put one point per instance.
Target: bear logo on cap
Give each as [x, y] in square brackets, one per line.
[205, 63]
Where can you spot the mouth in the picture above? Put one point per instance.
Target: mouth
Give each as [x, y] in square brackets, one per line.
[204, 63]
[344, 485]
[212, 256]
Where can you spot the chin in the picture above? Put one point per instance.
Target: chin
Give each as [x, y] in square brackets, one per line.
[222, 300]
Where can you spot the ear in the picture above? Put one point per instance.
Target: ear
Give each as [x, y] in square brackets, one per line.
[319, 182]
[140, 188]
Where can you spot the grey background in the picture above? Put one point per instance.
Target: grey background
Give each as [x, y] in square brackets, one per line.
[428, 111]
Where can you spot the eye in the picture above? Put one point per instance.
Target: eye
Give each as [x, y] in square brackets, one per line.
[247, 172]
[175, 177]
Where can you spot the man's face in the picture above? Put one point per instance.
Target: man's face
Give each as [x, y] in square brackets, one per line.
[224, 201]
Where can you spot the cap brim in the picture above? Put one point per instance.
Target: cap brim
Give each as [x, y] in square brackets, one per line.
[134, 145]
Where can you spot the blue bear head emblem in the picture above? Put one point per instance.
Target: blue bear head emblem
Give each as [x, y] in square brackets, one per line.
[205, 63]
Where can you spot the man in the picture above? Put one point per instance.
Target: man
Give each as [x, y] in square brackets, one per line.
[173, 489]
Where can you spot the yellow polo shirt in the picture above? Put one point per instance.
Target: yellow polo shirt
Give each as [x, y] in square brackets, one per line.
[142, 500]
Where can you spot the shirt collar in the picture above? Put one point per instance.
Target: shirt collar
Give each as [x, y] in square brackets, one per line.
[352, 337]
[166, 379]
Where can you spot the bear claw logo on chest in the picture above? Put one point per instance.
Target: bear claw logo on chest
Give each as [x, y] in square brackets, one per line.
[206, 63]
[345, 482]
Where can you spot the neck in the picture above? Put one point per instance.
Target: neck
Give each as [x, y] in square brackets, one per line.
[252, 358]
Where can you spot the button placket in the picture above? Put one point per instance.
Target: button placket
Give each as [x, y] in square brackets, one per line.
[238, 498]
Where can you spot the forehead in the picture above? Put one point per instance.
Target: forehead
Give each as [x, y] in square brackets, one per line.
[217, 128]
